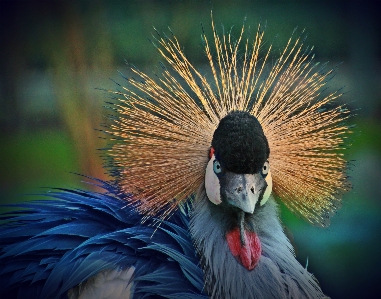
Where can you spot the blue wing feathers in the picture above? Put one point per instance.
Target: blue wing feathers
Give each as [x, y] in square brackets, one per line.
[50, 246]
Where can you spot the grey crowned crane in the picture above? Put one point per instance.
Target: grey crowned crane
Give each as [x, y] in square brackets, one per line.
[199, 162]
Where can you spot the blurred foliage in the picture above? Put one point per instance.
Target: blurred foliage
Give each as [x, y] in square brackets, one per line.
[35, 161]
[54, 54]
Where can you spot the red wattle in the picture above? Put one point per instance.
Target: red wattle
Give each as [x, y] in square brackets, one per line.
[249, 254]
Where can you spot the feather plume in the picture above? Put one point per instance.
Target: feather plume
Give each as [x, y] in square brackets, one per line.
[165, 124]
[48, 247]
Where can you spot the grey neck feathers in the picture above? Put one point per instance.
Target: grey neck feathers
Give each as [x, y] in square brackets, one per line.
[278, 274]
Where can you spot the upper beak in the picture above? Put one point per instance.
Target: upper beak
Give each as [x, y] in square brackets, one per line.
[243, 190]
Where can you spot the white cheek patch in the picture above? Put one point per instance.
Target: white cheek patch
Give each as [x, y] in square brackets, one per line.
[212, 183]
[268, 190]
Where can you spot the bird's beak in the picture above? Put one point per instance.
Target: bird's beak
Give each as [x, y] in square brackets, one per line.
[242, 191]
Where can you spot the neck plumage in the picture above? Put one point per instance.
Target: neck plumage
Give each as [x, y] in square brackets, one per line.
[277, 275]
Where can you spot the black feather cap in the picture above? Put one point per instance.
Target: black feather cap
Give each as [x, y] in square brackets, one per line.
[240, 143]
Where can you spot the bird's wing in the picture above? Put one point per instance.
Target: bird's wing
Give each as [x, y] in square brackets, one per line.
[115, 284]
[51, 246]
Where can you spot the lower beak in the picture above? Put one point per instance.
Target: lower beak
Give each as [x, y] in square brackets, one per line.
[243, 191]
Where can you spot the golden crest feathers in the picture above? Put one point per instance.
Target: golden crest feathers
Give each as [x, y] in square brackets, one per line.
[166, 123]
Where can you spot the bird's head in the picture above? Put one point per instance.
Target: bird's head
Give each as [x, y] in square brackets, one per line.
[166, 125]
[238, 172]
[238, 179]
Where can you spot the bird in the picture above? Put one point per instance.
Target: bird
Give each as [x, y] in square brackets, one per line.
[200, 163]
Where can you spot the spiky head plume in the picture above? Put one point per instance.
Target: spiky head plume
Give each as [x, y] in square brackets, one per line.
[166, 123]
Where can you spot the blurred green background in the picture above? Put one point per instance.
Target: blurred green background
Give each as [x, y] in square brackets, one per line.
[55, 54]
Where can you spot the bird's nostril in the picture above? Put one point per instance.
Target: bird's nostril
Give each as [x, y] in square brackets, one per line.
[252, 190]
[239, 189]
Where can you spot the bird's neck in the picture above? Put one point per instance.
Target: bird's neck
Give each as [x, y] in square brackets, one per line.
[277, 275]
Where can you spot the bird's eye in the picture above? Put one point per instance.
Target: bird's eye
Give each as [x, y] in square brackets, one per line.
[216, 167]
[265, 168]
